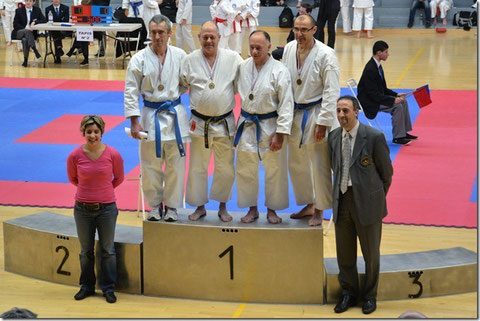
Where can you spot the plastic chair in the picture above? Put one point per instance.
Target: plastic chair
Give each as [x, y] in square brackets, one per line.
[352, 85]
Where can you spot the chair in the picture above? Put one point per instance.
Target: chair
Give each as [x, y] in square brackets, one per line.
[126, 38]
[352, 85]
[14, 45]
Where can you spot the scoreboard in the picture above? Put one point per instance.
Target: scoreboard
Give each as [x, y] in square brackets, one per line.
[92, 14]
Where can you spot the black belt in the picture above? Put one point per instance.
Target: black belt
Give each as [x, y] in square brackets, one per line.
[93, 206]
[211, 119]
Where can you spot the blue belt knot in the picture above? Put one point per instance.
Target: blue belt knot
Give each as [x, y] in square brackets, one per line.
[168, 105]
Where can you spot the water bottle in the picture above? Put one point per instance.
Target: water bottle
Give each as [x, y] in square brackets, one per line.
[50, 18]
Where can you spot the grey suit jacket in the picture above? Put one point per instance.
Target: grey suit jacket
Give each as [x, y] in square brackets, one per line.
[370, 171]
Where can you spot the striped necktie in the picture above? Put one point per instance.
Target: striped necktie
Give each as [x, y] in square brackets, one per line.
[346, 157]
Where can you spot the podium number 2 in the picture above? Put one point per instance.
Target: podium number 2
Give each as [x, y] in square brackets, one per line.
[65, 257]
[230, 251]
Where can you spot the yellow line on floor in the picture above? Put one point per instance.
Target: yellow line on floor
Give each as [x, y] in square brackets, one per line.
[239, 311]
[407, 68]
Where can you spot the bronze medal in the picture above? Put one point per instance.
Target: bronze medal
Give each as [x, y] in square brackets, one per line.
[160, 87]
[299, 81]
[250, 96]
[212, 85]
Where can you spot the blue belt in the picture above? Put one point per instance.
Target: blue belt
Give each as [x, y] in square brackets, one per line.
[168, 105]
[305, 108]
[255, 118]
[135, 6]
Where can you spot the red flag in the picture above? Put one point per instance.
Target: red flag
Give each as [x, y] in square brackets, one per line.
[422, 96]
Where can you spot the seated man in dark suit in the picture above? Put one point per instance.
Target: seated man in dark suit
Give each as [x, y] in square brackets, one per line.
[374, 96]
[60, 13]
[25, 17]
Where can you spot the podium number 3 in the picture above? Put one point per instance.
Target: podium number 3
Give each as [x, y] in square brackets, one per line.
[230, 251]
[65, 257]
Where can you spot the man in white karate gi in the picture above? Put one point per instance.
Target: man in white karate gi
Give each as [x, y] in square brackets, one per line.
[150, 9]
[265, 88]
[183, 31]
[133, 8]
[154, 74]
[224, 16]
[210, 73]
[249, 15]
[315, 76]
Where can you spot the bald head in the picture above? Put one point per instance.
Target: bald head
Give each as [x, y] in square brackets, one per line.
[306, 18]
[209, 26]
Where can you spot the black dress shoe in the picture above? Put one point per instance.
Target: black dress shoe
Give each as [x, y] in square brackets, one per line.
[401, 141]
[58, 60]
[70, 52]
[37, 54]
[84, 63]
[346, 302]
[83, 293]
[369, 306]
[411, 137]
[59, 52]
[410, 25]
[110, 297]
[25, 63]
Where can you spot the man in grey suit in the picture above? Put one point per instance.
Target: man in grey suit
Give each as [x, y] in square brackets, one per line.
[363, 172]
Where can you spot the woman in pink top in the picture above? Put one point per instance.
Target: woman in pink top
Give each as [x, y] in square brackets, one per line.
[96, 169]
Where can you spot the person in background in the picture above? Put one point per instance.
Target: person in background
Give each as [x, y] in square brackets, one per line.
[345, 12]
[183, 31]
[7, 10]
[96, 170]
[444, 6]
[363, 8]
[60, 13]
[413, 9]
[25, 18]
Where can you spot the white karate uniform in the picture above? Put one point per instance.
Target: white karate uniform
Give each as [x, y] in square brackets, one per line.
[127, 4]
[250, 25]
[142, 78]
[7, 19]
[150, 9]
[345, 11]
[183, 33]
[235, 40]
[272, 92]
[211, 102]
[309, 166]
[444, 6]
[362, 8]
[223, 10]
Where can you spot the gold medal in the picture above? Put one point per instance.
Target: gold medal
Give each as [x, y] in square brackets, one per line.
[160, 87]
[250, 96]
[299, 81]
[212, 85]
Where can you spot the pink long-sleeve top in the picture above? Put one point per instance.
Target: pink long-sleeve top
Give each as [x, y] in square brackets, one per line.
[95, 179]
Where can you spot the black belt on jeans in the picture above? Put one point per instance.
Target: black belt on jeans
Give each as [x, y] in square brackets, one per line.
[211, 119]
[92, 206]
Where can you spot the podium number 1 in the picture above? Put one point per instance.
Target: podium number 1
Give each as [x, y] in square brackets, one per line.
[230, 251]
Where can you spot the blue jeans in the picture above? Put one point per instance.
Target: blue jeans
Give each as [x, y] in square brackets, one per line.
[87, 222]
[417, 4]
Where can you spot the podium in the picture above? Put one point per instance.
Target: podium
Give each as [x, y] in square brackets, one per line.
[256, 262]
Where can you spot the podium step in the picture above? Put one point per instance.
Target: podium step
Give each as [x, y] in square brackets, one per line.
[414, 275]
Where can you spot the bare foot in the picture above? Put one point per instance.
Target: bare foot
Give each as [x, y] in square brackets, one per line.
[369, 34]
[444, 21]
[306, 211]
[251, 216]
[272, 217]
[223, 214]
[317, 218]
[358, 34]
[9, 43]
[199, 212]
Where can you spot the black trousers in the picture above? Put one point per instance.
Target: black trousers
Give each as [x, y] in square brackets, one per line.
[329, 18]
[347, 229]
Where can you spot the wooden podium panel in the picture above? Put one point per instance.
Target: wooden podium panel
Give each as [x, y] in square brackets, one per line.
[257, 262]
[45, 246]
[415, 275]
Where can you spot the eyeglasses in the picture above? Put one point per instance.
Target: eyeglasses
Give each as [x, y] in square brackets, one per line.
[303, 30]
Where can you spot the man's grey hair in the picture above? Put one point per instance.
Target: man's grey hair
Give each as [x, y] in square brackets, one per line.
[158, 19]
[18, 313]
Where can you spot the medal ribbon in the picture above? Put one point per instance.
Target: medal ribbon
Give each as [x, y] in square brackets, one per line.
[210, 71]
[160, 65]
[299, 70]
